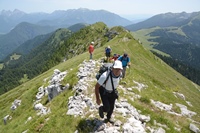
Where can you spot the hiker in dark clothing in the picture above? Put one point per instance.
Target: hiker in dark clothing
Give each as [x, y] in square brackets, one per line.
[108, 51]
[125, 62]
[106, 87]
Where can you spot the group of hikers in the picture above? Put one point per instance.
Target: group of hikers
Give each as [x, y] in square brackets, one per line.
[106, 86]
[125, 59]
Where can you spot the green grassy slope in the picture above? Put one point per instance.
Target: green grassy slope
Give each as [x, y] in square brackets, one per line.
[143, 36]
[146, 68]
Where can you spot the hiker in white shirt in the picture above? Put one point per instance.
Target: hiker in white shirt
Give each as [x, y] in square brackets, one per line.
[106, 87]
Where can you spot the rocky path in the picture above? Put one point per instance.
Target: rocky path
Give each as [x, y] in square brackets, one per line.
[127, 118]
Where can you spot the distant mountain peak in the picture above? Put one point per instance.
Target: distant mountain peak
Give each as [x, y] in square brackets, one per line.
[162, 20]
[60, 18]
[84, 9]
[11, 13]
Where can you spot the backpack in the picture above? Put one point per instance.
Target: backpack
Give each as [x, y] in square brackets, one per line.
[103, 68]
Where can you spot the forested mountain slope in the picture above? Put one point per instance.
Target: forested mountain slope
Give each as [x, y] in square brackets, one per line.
[181, 43]
[62, 45]
[20, 34]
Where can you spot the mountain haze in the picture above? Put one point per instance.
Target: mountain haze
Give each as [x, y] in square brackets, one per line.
[17, 36]
[20, 26]
[31, 44]
[60, 18]
[162, 20]
[83, 15]
[160, 83]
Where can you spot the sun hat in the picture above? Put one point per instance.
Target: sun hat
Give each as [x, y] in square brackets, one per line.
[92, 42]
[117, 64]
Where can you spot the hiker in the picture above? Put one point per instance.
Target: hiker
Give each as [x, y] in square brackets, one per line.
[106, 87]
[91, 49]
[108, 51]
[125, 62]
[114, 58]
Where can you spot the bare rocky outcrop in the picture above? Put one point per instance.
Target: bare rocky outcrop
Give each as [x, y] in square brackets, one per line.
[15, 104]
[194, 128]
[54, 89]
[7, 117]
[180, 95]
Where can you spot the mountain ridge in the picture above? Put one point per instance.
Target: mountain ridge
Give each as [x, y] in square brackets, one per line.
[163, 85]
[161, 20]
[160, 79]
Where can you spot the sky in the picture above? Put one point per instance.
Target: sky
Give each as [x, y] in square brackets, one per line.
[125, 8]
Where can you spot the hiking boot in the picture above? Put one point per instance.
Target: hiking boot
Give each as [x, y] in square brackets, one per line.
[101, 112]
[109, 120]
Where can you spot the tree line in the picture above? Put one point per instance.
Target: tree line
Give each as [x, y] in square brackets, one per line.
[184, 69]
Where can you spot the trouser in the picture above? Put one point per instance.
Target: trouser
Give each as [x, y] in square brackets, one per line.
[107, 56]
[108, 101]
[124, 72]
[90, 55]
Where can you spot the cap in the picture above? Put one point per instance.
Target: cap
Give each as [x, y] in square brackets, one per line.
[125, 54]
[108, 46]
[92, 42]
[117, 64]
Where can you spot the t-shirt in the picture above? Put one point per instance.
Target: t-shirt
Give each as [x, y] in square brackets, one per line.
[124, 60]
[108, 50]
[91, 48]
[108, 84]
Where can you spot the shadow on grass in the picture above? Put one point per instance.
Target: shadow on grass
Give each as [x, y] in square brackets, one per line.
[90, 125]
